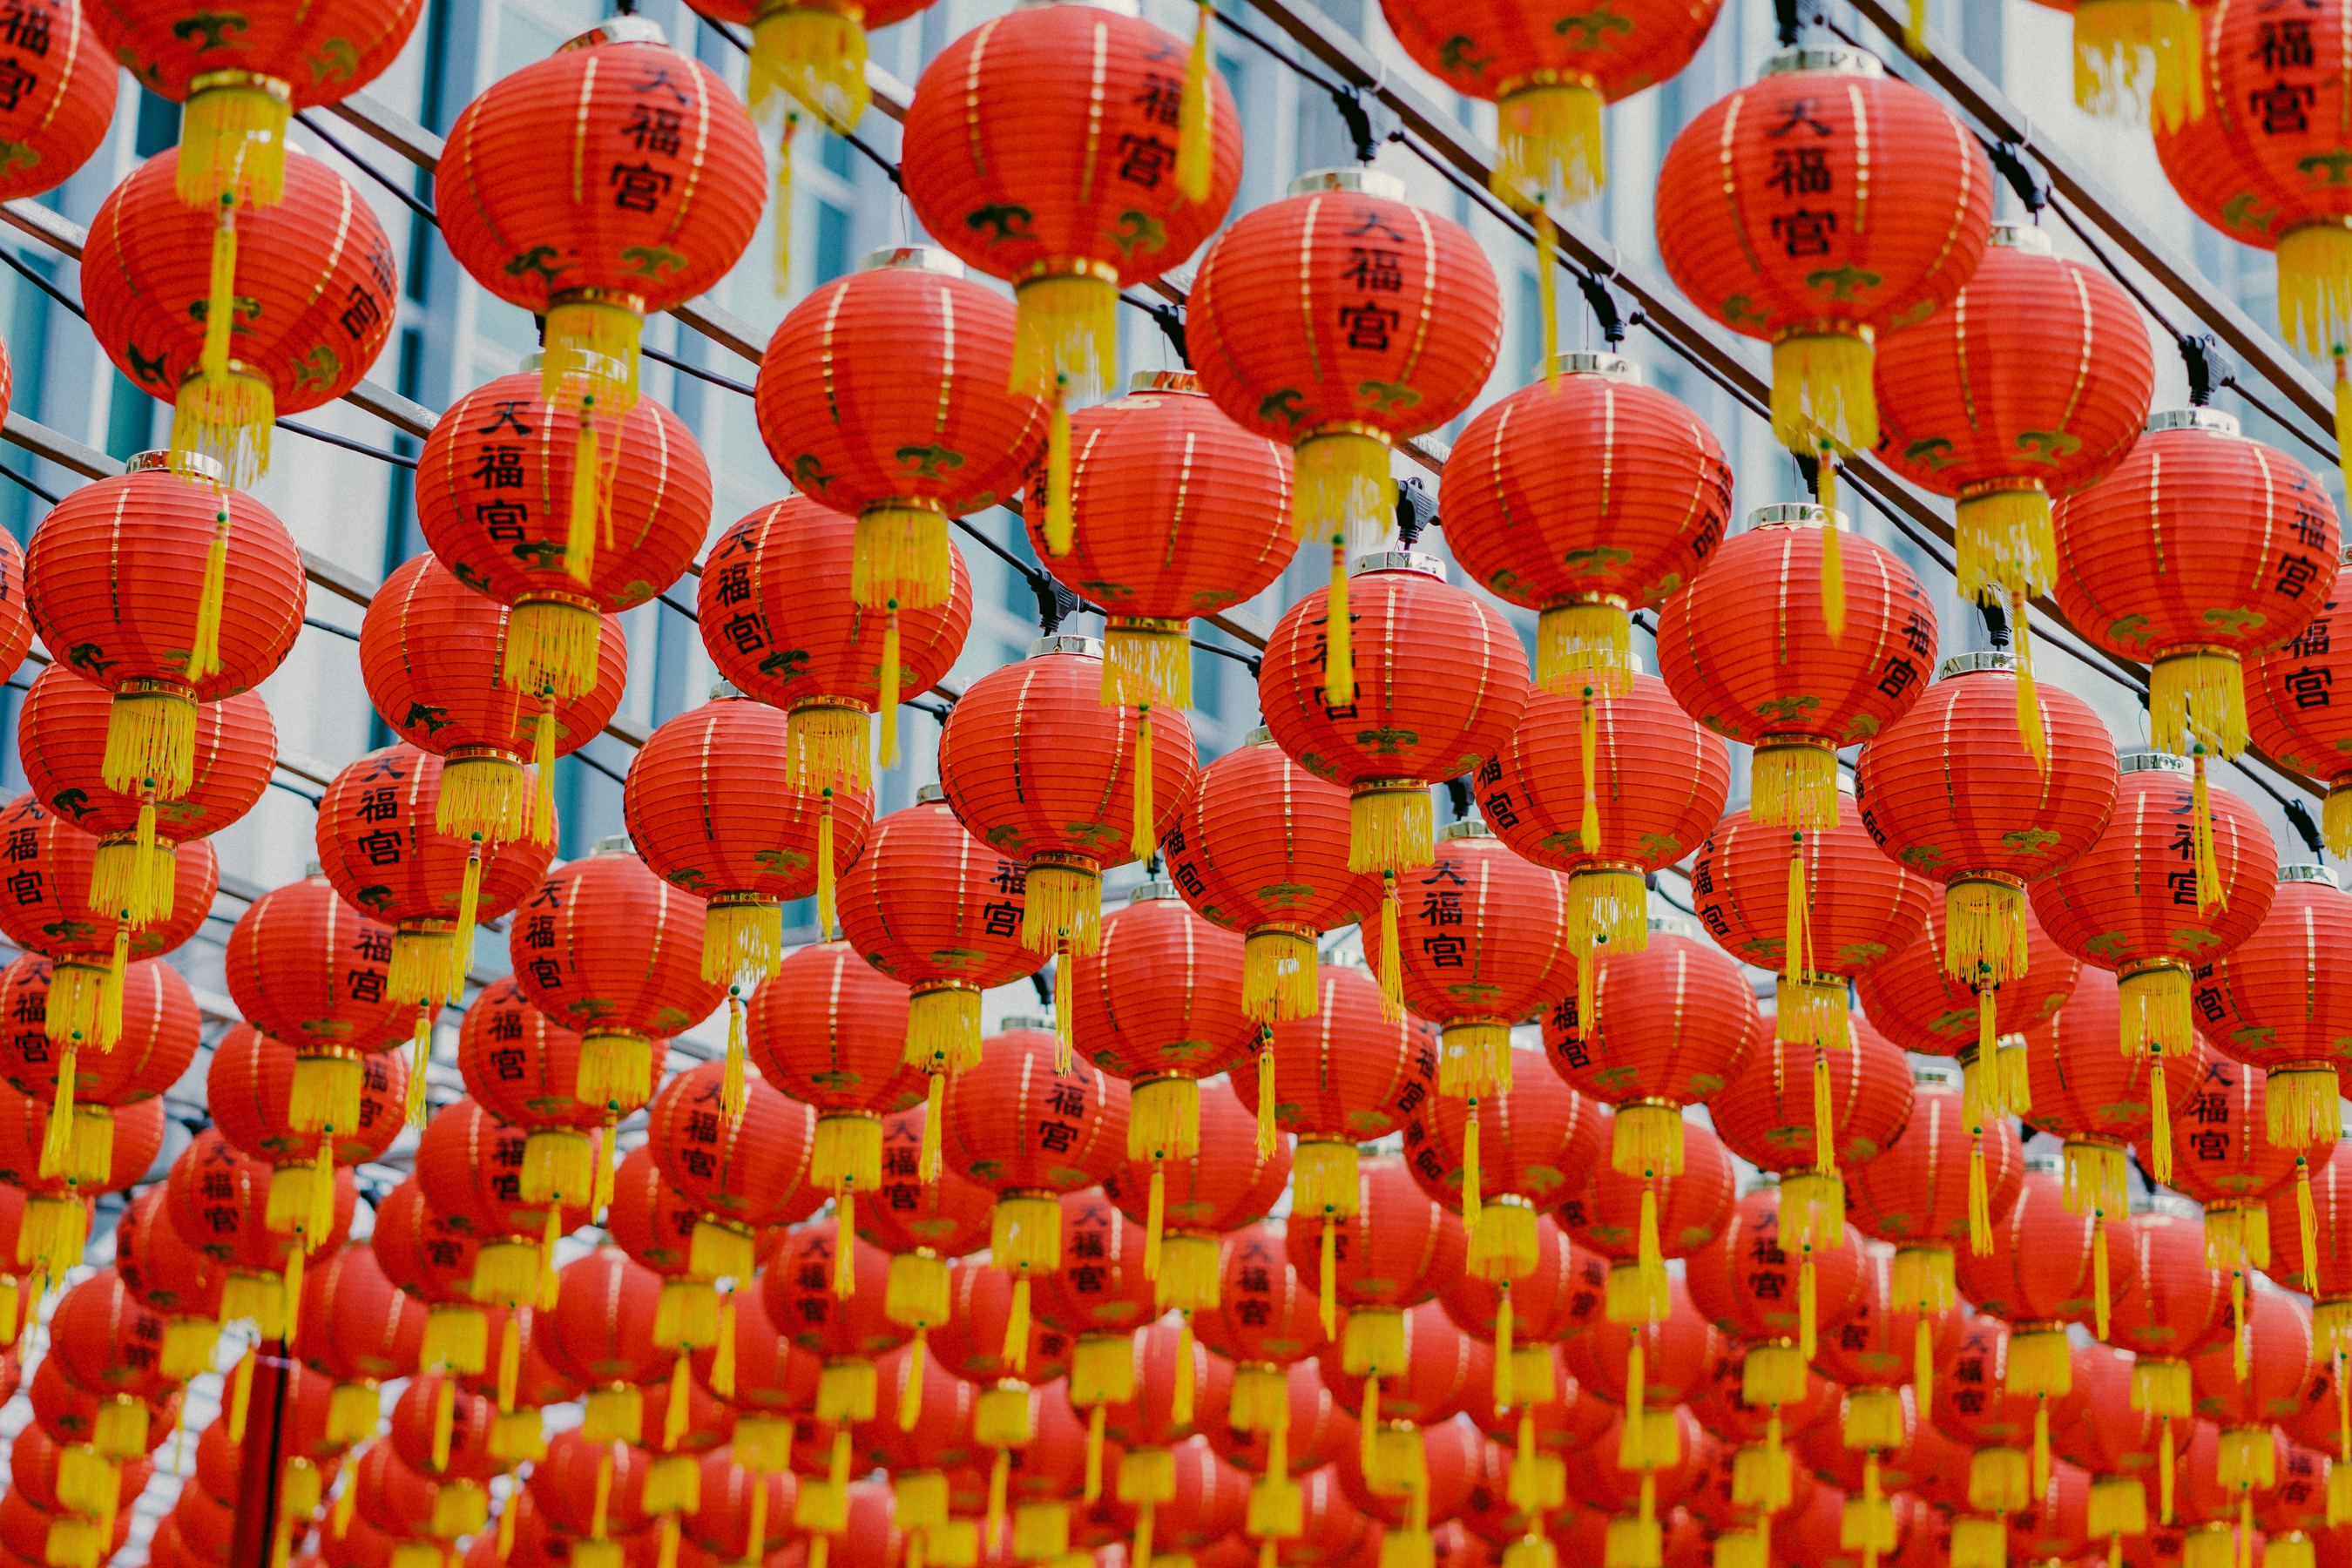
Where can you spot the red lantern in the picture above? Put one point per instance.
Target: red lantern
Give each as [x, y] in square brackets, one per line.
[2260, 1379]
[1175, 512]
[61, 736]
[430, 1257]
[159, 1040]
[2043, 1272]
[848, 1329]
[1030, 1128]
[676, 206]
[2320, 1266]
[715, 805]
[206, 607]
[600, 1333]
[2170, 1303]
[1101, 1295]
[1564, 1295]
[1948, 1179]
[1637, 1223]
[520, 433]
[1279, 1418]
[465, 1161]
[1262, 849]
[1160, 1004]
[1986, 819]
[55, 1222]
[2094, 1098]
[358, 1329]
[920, 1222]
[1526, 526]
[1035, 765]
[309, 969]
[526, 1071]
[300, 321]
[1913, 999]
[604, 946]
[173, 1279]
[1818, 275]
[2116, 905]
[1664, 780]
[1968, 407]
[68, 101]
[1069, 221]
[2193, 598]
[2269, 1002]
[433, 652]
[971, 1343]
[16, 612]
[2226, 1163]
[2296, 732]
[780, 620]
[1766, 1114]
[220, 1201]
[744, 1173]
[1741, 1277]
[1230, 1182]
[1344, 401]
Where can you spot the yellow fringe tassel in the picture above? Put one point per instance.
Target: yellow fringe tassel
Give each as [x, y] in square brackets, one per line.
[1793, 785]
[1821, 396]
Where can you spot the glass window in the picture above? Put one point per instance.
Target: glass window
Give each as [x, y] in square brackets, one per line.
[130, 419]
[159, 125]
[831, 241]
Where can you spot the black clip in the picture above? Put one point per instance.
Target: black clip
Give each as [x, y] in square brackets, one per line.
[2209, 368]
[1170, 322]
[2010, 160]
[1603, 306]
[1055, 604]
[1359, 121]
[2298, 816]
[1416, 509]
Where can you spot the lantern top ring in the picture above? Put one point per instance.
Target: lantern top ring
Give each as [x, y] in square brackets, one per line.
[1362, 182]
[2212, 420]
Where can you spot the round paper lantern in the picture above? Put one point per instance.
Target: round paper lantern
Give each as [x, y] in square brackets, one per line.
[600, 1333]
[1912, 997]
[359, 1329]
[675, 205]
[159, 1040]
[2323, 1269]
[508, 479]
[1503, 1160]
[171, 1278]
[1968, 407]
[1265, 1321]
[1654, 784]
[782, 622]
[158, 628]
[61, 740]
[64, 102]
[743, 1172]
[16, 613]
[940, 911]
[1766, 1114]
[1029, 1127]
[884, 394]
[286, 325]
[1160, 1004]
[2257, 1380]
[921, 1222]
[433, 652]
[1559, 1299]
[1033, 763]
[2156, 897]
[604, 946]
[2095, 1098]
[2192, 601]
[220, 1201]
[309, 969]
[430, 1257]
[1772, 223]
[2042, 1272]
[1262, 847]
[2269, 1002]
[2222, 1159]
[1583, 555]
[1230, 1180]
[526, 1071]
[1070, 221]
[1175, 512]
[1758, 1280]
[2168, 1305]
[2293, 718]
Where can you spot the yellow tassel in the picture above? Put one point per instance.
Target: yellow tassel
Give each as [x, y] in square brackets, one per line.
[1824, 1116]
[1915, 29]
[2196, 702]
[220, 295]
[2159, 1140]
[1923, 1363]
[2307, 1223]
[420, 1058]
[1179, 1401]
[1503, 1392]
[1155, 1211]
[887, 697]
[910, 1387]
[1470, 1195]
[1065, 1008]
[2343, 418]
[579, 523]
[1338, 640]
[1144, 839]
[461, 938]
[1195, 131]
[2210, 888]
[1793, 785]
[900, 560]
[1268, 1138]
[203, 648]
[2102, 1290]
[2137, 60]
[1060, 525]
[780, 206]
[1391, 970]
[226, 418]
[1328, 1288]
[826, 921]
[845, 1243]
[56, 1142]
[240, 1395]
[1092, 1489]
[734, 1093]
[1979, 1200]
[542, 755]
[1016, 1327]
[1589, 830]
[1808, 1307]
[1822, 398]
[552, 647]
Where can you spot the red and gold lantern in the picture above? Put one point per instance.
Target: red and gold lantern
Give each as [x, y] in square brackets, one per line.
[81, 1088]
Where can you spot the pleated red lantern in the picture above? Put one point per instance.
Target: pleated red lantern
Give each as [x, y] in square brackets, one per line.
[307, 968]
[942, 912]
[2320, 1267]
[2094, 1098]
[1635, 1225]
[1504, 1161]
[1766, 1114]
[107, 1342]
[742, 1514]
[885, 395]
[1266, 1323]
[513, 495]
[1229, 1182]
[1069, 222]
[1399, 1248]
[525, 1071]
[1759, 1281]
[299, 322]
[1772, 222]
[2193, 599]
[972, 1342]
[1879, 1354]
[432, 654]
[2170, 1303]
[1101, 1296]
[600, 1333]
[1583, 554]
[64, 103]
[381, 843]
[1033, 764]
[1414, 320]
[55, 1223]
[82, 1088]
[1945, 1183]
[2156, 896]
[1988, 818]
[207, 606]
[1349, 1072]
[1912, 997]
[1262, 847]
[848, 1329]
[430, 1257]
[715, 805]
[359, 1329]
[674, 206]
[1160, 1004]
[604, 946]
[2042, 1274]
[1030, 1127]
[61, 739]
[921, 1222]
[2270, 1002]
[1635, 1472]
[780, 619]
[2222, 1159]
[16, 612]
[1151, 1431]
[1969, 408]
[220, 1201]
[1175, 512]
[1564, 1294]
[2292, 717]
[173, 1279]
[743, 1174]
[1980, 1406]
[2255, 1382]
[775, 1382]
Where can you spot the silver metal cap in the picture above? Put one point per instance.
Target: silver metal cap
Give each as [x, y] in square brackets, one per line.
[1469, 828]
[1929, 1073]
[1024, 1021]
[2212, 420]
[2022, 238]
[616, 30]
[1397, 561]
[1834, 58]
[1674, 925]
[722, 687]
[1164, 381]
[1793, 514]
[1152, 890]
[1592, 362]
[2142, 761]
[911, 259]
[195, 465]
[2306, 873]
[312, 868]
[1366, 181]
[1066, 642]
[1260, 736]
[613, 844]
[1975, 664]
[929, 792]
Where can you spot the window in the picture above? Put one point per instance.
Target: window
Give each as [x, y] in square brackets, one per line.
[130, 419]
[832, 240]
